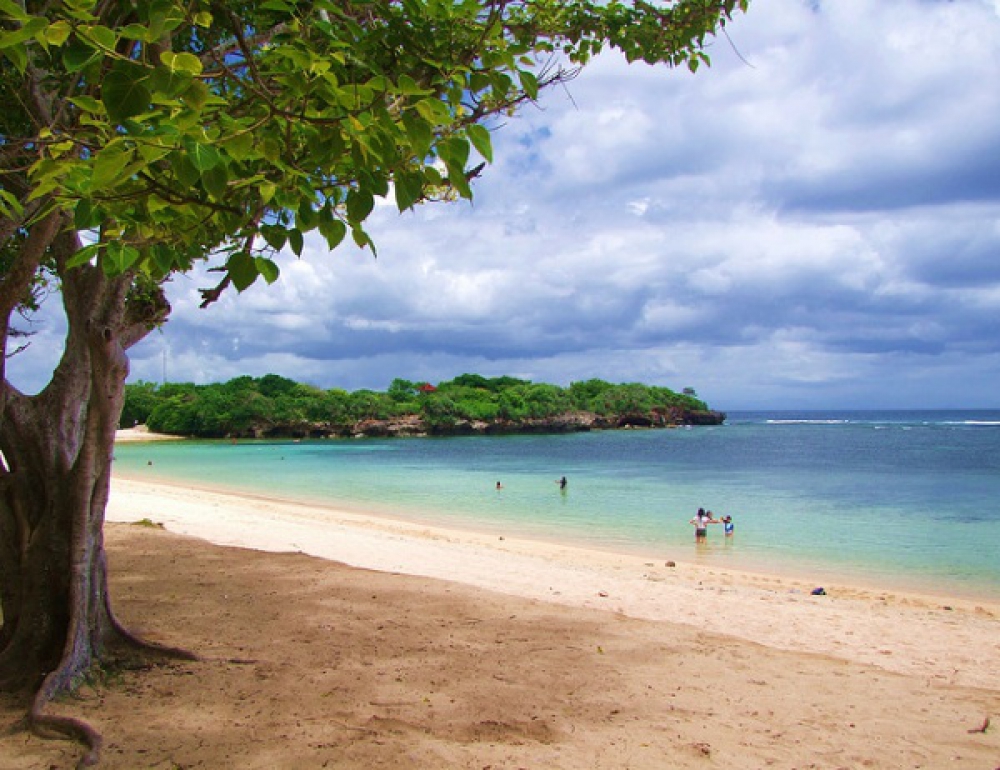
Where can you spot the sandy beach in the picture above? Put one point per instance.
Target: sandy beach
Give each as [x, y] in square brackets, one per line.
[369, 642]
[140, 433]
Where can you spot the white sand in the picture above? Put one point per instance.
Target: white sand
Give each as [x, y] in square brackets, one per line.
[141, 433]
[948, 641]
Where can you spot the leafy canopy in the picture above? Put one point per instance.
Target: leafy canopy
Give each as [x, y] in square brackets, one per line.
[175, 131]
[274, 405]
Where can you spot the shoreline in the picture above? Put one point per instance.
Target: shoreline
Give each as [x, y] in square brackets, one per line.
[142, 433]
[951, 640]
[770, 540]
[801, 572]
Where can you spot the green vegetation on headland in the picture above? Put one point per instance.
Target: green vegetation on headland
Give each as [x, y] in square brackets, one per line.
[274, 406]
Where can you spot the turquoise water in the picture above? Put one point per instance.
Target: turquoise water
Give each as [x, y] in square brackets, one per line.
[904, 499]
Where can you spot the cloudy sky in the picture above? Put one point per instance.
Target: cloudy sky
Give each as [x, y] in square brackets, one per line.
[813, 222]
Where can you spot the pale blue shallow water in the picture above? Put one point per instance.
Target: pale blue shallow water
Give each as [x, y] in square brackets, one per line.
[905, 499]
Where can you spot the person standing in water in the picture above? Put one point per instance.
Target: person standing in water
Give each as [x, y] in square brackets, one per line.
[562, 483]
[700, 522]
[727, 525]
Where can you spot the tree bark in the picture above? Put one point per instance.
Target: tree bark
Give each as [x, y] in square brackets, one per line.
[54, 485]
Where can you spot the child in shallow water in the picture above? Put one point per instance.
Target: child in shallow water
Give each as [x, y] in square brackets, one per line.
[727, 525]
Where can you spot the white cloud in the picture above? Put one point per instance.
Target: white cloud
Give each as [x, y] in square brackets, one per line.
[813, 221]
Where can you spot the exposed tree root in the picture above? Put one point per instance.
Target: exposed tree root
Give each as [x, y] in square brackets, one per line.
[45, 725]
[136, 641]
[51, 725]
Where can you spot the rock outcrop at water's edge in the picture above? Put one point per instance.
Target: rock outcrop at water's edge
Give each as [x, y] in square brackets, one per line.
[569, 422]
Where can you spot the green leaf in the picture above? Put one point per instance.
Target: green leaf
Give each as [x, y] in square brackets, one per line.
[58, 32]
[164, 258]
[408, 188]
[267, 191]
[202, 156]
[271, 149]
[409, 87]
[419, 132]
[9, 204]
[109, 164]
[267, 268]
[13, 10]
[280, 6]
[58, 149]
[83, 256]
[187, 175]
[216, 181]
[432, 177]
[168, 84]
[359, 205]
[102, 36]
[136, 32]
[454, 152]
[165, 17]
[275, 236]
[480, 138]
[184, 62]
[84, 215]
[118, 258]
[88, 104]
[327, 145]
[414, 9]
[21, 35]
[80, 9]
[306, 218]
[529, 83]
[239, 146]
[434, 111]
[333, 230]
[76, 56]
[362, 238]
[242, 269]
[152, 152]
[296, 241]
[456, 177]
[196, 95]
[124, 93]
[18, 57]
[377, 182]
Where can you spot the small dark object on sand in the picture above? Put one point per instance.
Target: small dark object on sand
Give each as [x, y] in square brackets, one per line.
[818, 592]
[982, 728]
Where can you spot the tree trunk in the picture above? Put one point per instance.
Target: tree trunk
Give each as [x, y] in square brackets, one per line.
[54, 485]
[54, 576]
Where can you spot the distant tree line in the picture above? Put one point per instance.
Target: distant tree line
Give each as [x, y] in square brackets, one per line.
[277, 406]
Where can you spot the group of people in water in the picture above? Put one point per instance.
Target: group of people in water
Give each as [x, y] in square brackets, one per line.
[700, 521]
[703, 518]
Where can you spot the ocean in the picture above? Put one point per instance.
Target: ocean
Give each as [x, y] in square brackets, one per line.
[900, 499]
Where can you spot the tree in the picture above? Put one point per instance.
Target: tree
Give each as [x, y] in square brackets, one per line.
[138, 138]
[586, 394]
[401, 390]
[139, 401]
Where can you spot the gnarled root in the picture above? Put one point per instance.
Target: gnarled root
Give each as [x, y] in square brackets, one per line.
[52, 725]
[44, 725]
[134, 640]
